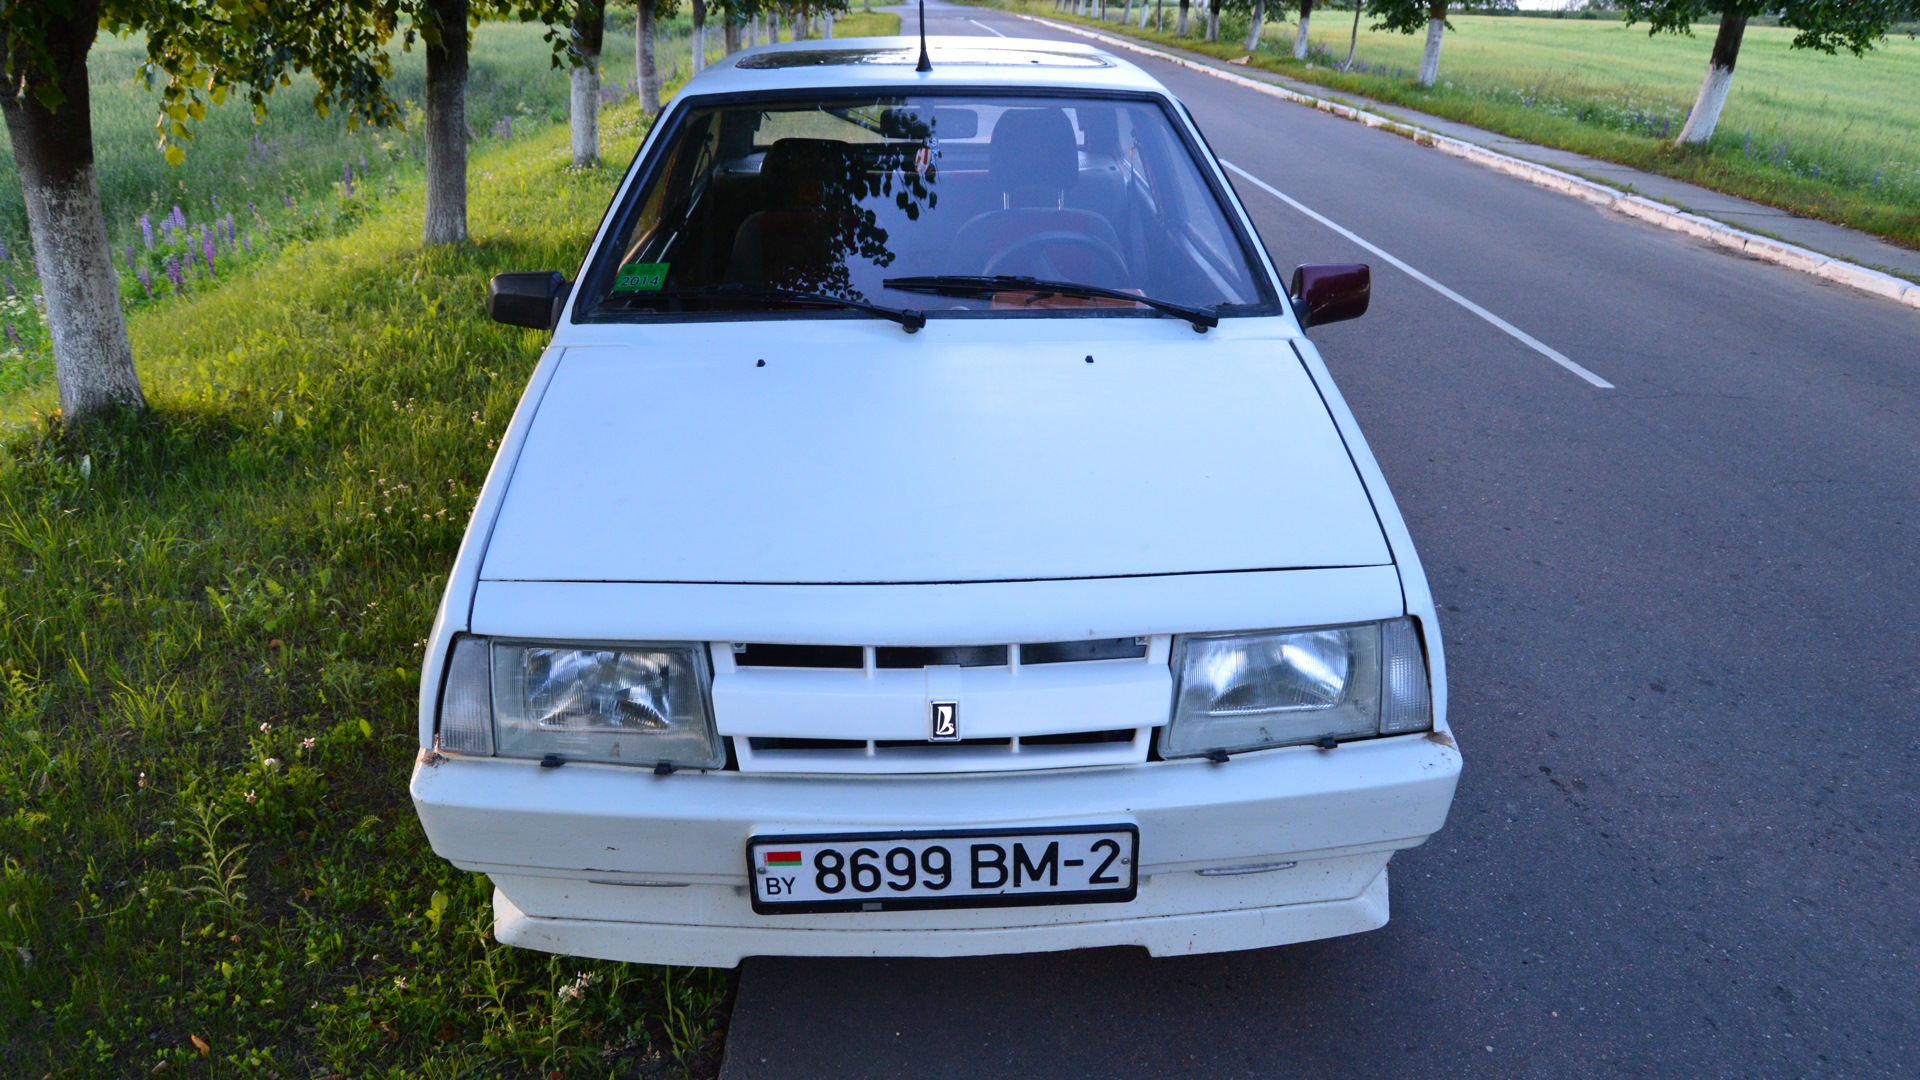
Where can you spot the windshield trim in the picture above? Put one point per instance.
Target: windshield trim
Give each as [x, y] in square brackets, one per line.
[601, 268]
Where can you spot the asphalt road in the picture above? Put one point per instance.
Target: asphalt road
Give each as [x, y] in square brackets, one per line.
[1680, 619]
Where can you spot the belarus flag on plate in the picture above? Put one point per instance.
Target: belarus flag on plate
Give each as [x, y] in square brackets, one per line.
[783, 858]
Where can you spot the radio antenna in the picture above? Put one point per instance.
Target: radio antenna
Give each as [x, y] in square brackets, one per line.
[925, 63]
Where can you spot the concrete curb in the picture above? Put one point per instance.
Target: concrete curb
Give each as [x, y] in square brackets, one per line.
[1644, 209]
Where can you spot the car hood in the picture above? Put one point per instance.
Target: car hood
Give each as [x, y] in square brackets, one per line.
[883, 460]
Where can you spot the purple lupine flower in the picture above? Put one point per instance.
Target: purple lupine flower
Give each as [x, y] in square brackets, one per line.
[346, 179]
[215, 200]
[252, 209]
[189, 256]
[363, 166]
[287, 201]
[11, 291]
[131, 265]
[13, 335]
[229, 228]
[4, 256]
[178, 219]
[146, 230]
[173, 273]
[145, 279]
[246, 246]
[206, 248]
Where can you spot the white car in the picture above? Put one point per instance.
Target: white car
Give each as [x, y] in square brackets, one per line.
[931, 533]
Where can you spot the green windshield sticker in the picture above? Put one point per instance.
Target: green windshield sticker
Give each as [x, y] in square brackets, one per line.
[641, 277]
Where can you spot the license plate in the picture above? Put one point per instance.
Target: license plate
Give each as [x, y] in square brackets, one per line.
[1078, 864]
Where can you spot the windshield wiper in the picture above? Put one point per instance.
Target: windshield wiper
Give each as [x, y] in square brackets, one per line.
[907, 317]
[1203, 319]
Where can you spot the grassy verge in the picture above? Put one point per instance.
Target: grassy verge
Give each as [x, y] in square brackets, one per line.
[210, 623]
[1826, 137]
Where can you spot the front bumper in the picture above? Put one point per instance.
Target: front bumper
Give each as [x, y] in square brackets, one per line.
[618, 863]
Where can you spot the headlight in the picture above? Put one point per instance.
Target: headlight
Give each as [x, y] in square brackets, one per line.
[628, 704]
[1284, 688]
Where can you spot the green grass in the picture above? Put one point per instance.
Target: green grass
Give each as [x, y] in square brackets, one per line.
[1828, 137]
[282, 180]
[210, 632]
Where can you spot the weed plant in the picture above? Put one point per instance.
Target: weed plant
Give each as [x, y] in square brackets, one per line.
[211, 620]
[1836, 138]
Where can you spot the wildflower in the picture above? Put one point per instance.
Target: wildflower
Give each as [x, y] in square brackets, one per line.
[307, 743]
[399, 982]
[229, 224]
[252, 209]
[215, 200]
[143, 779]
[206, 248]
[173, 272]
[271, 763]
[576, 989]
[287, 201]
[265, 727]
[145, 279]
[252, 798]
[346, 179]
[11, 291]
[13, 335]
[4, 257]
[131, 265]
[246, 246]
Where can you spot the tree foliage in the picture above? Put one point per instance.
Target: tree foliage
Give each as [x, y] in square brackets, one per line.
[1825, 25]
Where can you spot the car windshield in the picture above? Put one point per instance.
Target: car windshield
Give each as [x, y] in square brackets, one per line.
[942, 204]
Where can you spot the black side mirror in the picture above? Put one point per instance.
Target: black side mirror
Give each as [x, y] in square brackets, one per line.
[1330, 292]
[530, 300]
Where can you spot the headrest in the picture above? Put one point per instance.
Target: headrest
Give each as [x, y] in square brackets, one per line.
[1033, 156]
[798, 174]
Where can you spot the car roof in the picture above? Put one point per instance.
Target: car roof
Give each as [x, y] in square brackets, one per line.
[958, 63]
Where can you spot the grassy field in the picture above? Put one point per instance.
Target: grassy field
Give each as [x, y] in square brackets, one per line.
[1830, 137]
[210, 623]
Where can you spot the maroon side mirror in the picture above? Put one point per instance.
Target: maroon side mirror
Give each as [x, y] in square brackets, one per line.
[1330, 292]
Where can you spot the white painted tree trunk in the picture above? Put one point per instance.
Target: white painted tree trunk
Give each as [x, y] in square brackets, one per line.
[643, 58]
[584, 112]
[1126, 13]
[1713, 90]
[829, 25]
[1430, 59]
[1253, 31]
[1180, 24]
[1146, 10]
[1706, 108]
[1213, 21]
[697, 42]
[446, 137]
[92, 359]
[1300, 38]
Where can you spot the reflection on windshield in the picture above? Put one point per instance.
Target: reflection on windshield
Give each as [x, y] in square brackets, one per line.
[836, 199]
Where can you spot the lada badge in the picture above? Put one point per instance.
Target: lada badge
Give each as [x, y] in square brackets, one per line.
[946, 722]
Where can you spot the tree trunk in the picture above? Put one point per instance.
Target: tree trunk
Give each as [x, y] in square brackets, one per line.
[1126, 13]
[1180, 25]
[1436, 27]
[1353, 42]
[589, 33]
[92, 359]
[446, 219]
[1213, 20]
[698, 40]
[732, 35]
[827, 27]
[1713, 92]
[1159, 15]
[1253, 31]
[647, 72]
[1300, 35]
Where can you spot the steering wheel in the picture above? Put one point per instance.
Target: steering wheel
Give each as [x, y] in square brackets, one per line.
[1030, 257]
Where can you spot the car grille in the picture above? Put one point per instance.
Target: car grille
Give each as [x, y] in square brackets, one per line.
[809, 708]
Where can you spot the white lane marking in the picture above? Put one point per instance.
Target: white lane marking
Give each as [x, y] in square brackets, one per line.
[1513, 331]
[987, 28]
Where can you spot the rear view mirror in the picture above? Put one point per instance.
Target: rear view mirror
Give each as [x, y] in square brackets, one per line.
[530, 300]
[1330, 292]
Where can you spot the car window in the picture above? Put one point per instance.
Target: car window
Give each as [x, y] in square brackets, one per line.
[841, 197]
